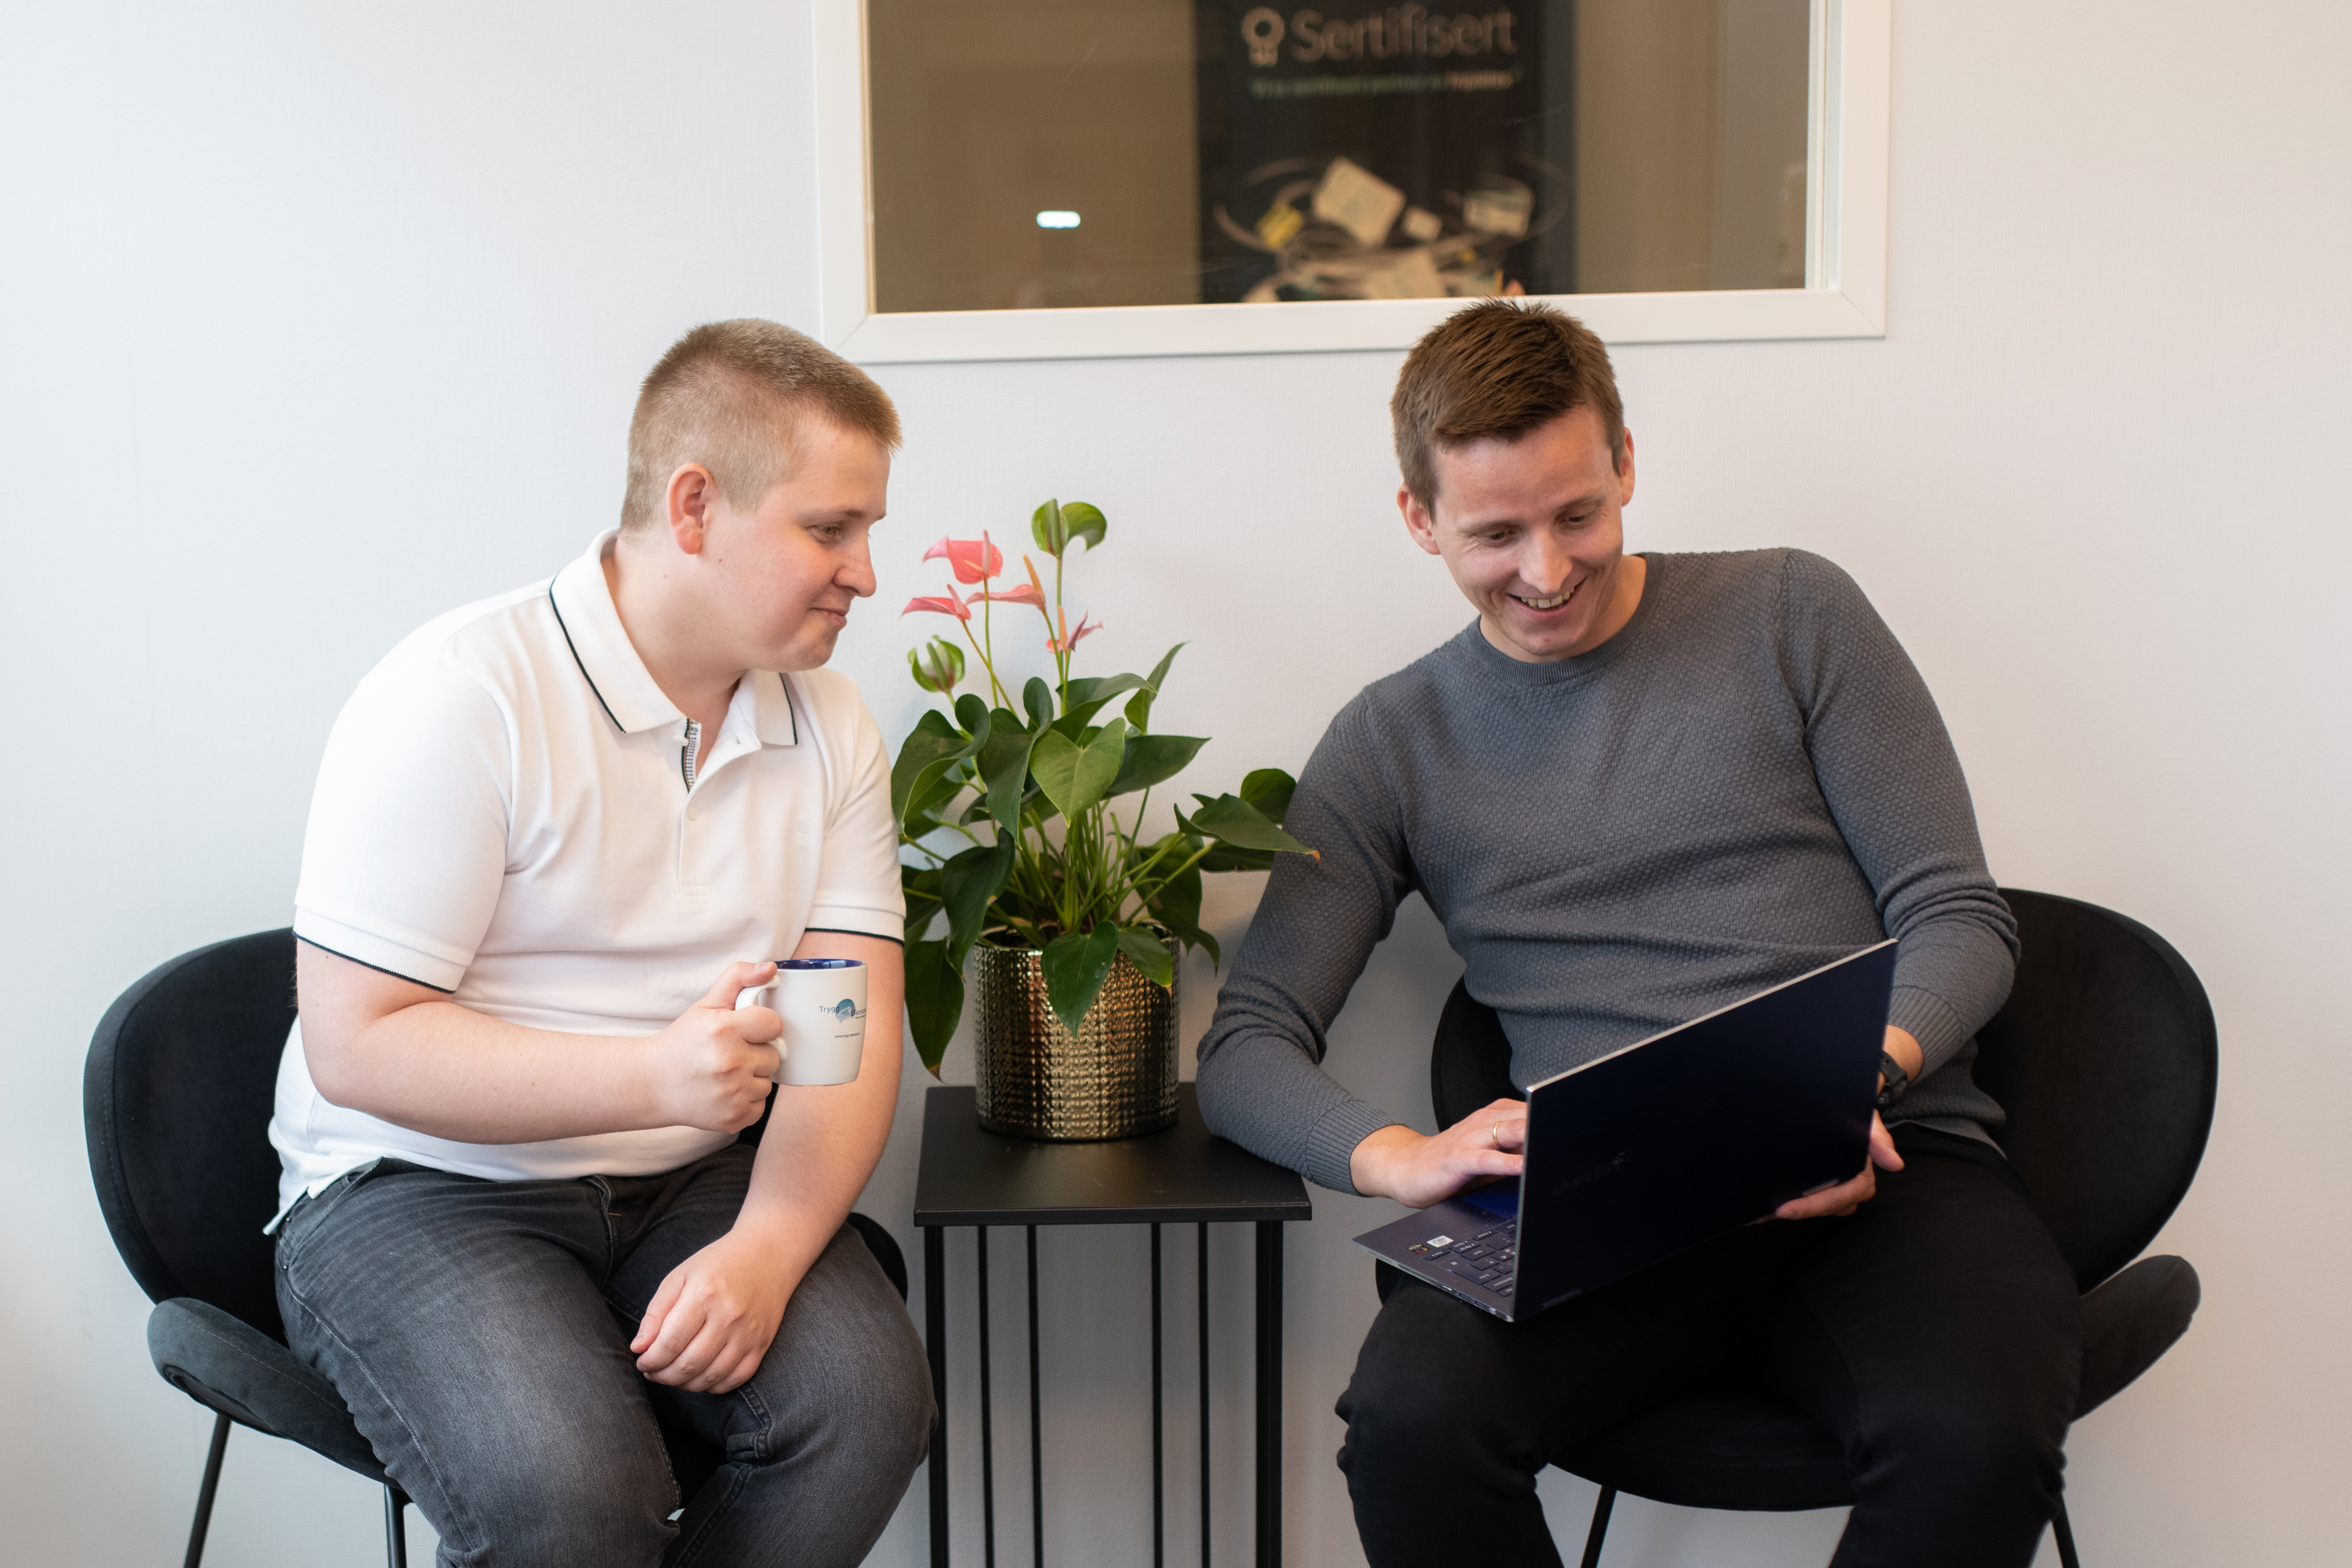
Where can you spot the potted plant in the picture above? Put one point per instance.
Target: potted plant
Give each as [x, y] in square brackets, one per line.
[1024, 857]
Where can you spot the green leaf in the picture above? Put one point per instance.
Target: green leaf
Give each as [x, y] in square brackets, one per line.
[1076, 777]
[1221, 857]
[1075, 965]
[1038, 698]
[1085, 523]
[1088, 693]
[922, 886]
[937, 794]
[1224, 857]
[1004, 769]
[1045, 526]
[1269, 790]
[930, 750]
[934, 1000]
[1053, 525]
[1177, 905]
[971, 712]
[1181, 893]
[1149, 954]
[1231, 820]
[967, 884]
[1138, 707]
[1053, 762]
[1099, 769]
[1154, 759]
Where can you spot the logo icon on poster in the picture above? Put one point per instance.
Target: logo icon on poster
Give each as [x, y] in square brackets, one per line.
[1262, 29]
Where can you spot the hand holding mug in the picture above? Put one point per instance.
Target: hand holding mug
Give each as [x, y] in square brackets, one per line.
[714, 1066]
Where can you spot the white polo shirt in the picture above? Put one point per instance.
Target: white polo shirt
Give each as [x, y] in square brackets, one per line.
[504, 813]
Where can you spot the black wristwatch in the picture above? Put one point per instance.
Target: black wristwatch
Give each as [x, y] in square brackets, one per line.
[1897, 1081]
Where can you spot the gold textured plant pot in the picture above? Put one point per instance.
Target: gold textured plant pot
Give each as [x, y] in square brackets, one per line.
[1116, 1079]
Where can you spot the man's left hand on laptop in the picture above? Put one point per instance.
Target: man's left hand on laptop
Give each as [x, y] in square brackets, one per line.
[1418, 1170]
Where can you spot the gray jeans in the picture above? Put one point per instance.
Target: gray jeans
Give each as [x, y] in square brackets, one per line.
[480, 1332]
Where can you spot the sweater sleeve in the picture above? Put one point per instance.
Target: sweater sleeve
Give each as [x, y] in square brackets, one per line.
[1261, 1083]
[1893, 784]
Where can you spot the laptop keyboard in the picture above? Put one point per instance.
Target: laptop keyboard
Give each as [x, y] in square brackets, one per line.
[1490, 1259]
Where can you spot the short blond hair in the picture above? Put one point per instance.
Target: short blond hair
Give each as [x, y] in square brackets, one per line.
[729, 395]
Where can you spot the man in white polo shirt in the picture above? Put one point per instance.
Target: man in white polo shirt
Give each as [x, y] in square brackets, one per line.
[555, 835]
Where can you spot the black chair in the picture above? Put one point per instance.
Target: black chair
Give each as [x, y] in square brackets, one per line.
[176, 1099]
[2104, 1057]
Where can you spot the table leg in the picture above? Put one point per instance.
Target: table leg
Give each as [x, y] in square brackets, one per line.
[1201, 1275]
[1036, 1425]
[1269, 1394]
[987, 1419]
[935, 1331]
[1159, 1433]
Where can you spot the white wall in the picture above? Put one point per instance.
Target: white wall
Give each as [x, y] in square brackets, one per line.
[317, 319]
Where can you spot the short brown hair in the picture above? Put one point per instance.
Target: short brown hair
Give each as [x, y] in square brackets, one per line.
[727, 396]
[1498, 368]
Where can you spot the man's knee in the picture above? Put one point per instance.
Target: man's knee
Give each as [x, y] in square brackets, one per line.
[894, 1412]
[1970, 1456]
[1427, 1392]
[849, 1375]
[556, 1497]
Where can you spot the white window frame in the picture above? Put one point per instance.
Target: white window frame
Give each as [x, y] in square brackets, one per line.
[1845, 245]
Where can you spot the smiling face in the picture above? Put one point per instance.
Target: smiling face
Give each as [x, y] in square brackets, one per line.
[719, 589]
[1532, 530]
[778, 580]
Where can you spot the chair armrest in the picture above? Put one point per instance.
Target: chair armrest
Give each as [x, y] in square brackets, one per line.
[885, 1248]
[2130, 1321]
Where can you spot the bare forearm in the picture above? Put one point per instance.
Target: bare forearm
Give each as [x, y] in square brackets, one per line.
[823, 1140]
[813, 1164]
[450, 1072]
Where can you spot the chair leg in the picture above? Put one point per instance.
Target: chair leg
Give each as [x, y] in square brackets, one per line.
[395, 1527]
[2064, 1532]
[1600, 1531]
[204, 1523]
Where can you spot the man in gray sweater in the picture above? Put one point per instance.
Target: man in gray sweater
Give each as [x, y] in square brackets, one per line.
[1637, 789]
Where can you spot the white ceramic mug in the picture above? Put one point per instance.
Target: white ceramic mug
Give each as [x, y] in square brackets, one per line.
[823, 1004]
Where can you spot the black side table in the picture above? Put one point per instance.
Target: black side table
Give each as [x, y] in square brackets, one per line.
[1182, 1176]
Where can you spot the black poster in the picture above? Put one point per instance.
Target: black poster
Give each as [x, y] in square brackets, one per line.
[1385, 153]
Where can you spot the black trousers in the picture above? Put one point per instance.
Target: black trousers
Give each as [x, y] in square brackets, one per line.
[1936, 1332]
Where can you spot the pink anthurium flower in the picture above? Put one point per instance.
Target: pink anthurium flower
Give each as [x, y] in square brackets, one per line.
[1086, 627]
[947, 605]
[974, 560]
[1026, 594]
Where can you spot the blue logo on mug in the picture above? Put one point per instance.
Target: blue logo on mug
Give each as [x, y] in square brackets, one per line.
[844, 1009]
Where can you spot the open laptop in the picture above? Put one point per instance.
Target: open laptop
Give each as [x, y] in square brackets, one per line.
[1674, 1140]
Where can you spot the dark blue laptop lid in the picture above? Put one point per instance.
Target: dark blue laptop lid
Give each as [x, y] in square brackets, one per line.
[1685, 1135]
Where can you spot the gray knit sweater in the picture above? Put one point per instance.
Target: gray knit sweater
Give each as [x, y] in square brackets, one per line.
[1747, 782]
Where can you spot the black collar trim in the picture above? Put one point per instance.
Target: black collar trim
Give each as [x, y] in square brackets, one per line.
[581, 663]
